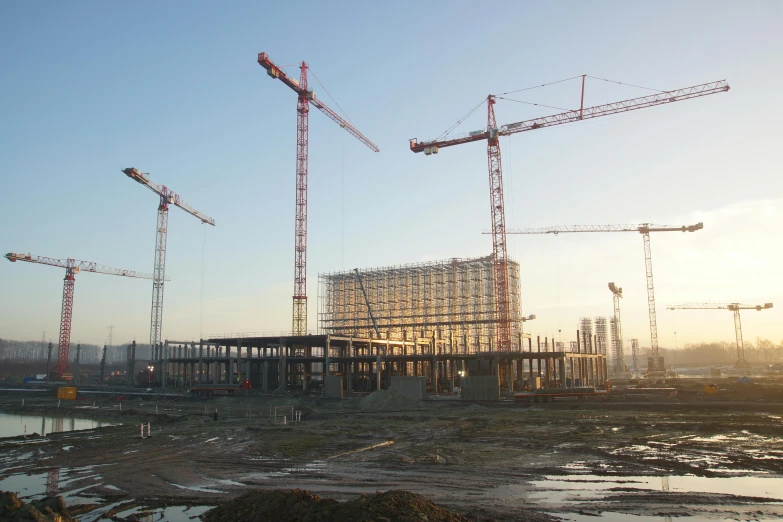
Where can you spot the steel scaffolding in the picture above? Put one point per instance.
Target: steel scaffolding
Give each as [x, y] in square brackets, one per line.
[601, 334]
[450, 299]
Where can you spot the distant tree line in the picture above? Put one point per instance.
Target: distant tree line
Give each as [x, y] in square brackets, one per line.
[760, 351]
[27, 351]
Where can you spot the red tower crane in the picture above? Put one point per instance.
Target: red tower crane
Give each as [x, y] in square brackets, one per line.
[655, 365]
[72, 267]
[734, 307]
[167, 197]
[491, 135]
[305, 97]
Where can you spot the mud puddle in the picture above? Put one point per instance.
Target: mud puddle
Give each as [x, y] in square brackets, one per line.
[70, 483]
[17, 425]
[169, 514]
[558, 489]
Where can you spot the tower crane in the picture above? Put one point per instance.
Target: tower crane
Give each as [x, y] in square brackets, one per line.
[167, 197]
[305, 97]
[655, 365]
[493, 132]
[72, 267]
[617, 331]
[734, 307]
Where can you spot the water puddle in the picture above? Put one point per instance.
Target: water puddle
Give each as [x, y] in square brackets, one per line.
[577, 489]
[169, 514]
[608, 516]
[16, 425]
[66, 482]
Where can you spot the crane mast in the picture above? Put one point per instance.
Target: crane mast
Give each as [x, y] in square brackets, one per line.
[493, 132]
[72, 267]
[499, 250]
[655, 364]
[617, 331]
[734, 307]
[167, 197]
[305, 97]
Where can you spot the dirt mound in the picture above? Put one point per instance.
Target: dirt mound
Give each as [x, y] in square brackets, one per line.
[45, 510]
[301, 506]
[388, 400]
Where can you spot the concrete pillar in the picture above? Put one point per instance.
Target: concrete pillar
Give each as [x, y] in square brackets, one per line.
[164, 373]
[349, 384]
[76, 365]
[326, 357]
[239, 361]
[378, 373]
[103, 366]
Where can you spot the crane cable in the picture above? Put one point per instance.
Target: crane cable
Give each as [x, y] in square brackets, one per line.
[539, 86]
[462, 119]
[626, 84]
[331, 97]
[201, 305]
[531, 103]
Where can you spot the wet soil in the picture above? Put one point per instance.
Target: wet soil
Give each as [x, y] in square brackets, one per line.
[485, 462]
[301, 506]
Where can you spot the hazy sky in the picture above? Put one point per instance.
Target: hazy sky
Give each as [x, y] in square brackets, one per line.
[173, 88]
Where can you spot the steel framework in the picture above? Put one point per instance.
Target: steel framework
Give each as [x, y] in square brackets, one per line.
[305, 97]
[635, 353]
[617, 330]
[601, 334]
[734, 307]
[72, 267]
[451, 298]
[586, 332]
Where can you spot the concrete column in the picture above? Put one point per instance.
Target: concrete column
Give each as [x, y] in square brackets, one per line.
[349, 384]
[563, 371]
[164, 373]
[239, 361]
[283, 372]
[378, 373]
[76, 366]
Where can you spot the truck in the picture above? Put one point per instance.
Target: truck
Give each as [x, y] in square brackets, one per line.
[550, 394]
[218, 389]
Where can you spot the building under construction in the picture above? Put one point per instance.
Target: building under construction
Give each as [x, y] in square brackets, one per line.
[451, 299]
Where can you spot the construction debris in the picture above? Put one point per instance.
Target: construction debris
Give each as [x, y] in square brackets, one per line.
[298, 505]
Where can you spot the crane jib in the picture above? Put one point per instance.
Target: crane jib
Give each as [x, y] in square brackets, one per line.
[608, 109]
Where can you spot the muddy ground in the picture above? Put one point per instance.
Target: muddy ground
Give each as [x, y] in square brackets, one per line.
[717, 457]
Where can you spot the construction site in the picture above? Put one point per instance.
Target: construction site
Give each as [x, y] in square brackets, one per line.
[429, 377]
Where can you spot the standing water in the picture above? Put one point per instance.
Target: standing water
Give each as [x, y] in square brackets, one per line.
[14, 425]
